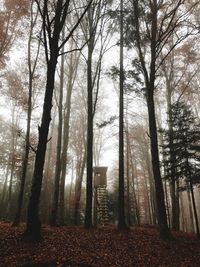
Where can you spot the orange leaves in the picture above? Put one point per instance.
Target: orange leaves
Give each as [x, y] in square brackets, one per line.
[75, 246]
[20, 7]
[11, 12]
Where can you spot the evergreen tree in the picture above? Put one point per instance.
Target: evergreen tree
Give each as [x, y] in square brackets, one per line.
[186, 135]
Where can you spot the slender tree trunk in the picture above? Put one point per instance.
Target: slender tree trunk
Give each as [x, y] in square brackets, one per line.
[94, 23]
[28, 126]
[167, 202]
[133, 172]
[54, 211]
[48, 174]
[70, 196]
[172, 184]
[66, 140]
[90, 116]
[78, 190]
[172, 159]
[150, 76]
[192, 228]
[177, 226]
[173, 203]
[193, 200]
[88, 209]
[95, 206]
[13, 165]
[4, 192]
[128, 178]
[12, 157]
[10, 190]
[152, 190]
[195, 210]
[147, 199]
[33, 221]
[182, 212]
[25, 160]
[162, 217]
[121, 211]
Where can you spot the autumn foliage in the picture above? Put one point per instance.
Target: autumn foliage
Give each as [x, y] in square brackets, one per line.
[75, 246]
[11, 11]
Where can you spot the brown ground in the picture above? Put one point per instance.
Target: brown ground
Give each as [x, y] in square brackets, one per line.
[74, 246]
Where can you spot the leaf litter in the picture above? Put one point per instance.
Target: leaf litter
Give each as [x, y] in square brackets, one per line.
[100, 247]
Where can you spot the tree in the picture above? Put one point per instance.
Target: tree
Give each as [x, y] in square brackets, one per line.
[54, 210]
[153, 24]
[186, 134]
[77, 142]
[140, 145]
[29, 112]
[121, 212]
[10, 15]
[79, 146]
[179, 70]
[53, 20]
[15, 92]
[73, 70]
[93, 28]
[5, 160]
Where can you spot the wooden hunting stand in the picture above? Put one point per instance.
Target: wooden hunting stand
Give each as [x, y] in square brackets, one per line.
[100, 211]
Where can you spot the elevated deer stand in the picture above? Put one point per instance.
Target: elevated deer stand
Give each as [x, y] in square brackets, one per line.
[100, 211]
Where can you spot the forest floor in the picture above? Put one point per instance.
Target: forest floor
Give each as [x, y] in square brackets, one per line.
[75, 246]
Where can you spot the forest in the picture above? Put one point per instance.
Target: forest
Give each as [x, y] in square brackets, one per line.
[99, 133]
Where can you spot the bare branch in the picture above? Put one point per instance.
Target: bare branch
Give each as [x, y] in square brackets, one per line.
[186, 86]
[76, 25]
[75, 49]
[178, 41]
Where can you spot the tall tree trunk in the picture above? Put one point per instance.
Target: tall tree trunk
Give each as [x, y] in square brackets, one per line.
[94, 23]
[191, 217]
[150, 76]
[193, 199]
[162, 217]
[4, 192]
[89, 182]
[128, 177]
[12, 158]
[177, 225]
[66, 137]
[167, 201]
[51, 33]
[78, 190]
[33, 222]
[48, 173]
[152, 189]
[10, 187]
[70, 196]
[133, 174]
[161, 140]
[121, 211]
[28, 126]
[195, 210]
[25, 159]
[54, 211]
[172, 158]
[147, 199]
